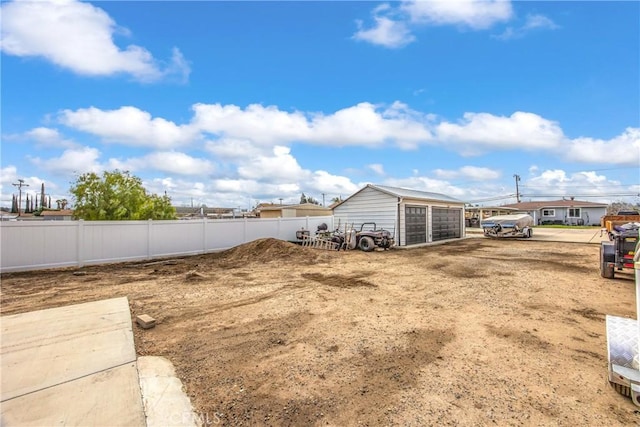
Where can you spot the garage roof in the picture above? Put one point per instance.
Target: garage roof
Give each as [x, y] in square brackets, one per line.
[409, 194]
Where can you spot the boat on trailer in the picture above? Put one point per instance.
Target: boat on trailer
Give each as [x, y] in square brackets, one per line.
[516, 225]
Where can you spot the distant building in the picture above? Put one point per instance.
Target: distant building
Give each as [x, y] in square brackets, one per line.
[186, 212]
[292, 211]
[568, 212]
[57, 215]
[414, 217]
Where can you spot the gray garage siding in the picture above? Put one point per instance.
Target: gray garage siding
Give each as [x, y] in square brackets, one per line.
[369, 205]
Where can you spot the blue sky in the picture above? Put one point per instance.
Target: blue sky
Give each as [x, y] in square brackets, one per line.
[234, 103]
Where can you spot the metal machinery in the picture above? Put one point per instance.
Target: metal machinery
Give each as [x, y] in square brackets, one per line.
[517, 225]
[367, 239]
[623, 344]
[617, 253]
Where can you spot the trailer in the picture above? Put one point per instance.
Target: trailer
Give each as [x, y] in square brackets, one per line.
[517, 225]
[623, 345]
[617, 253]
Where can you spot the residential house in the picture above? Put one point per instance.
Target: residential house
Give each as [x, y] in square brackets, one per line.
[565, 211]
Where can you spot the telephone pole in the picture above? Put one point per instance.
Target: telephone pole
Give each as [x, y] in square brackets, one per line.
[20, 184]
[517, 177]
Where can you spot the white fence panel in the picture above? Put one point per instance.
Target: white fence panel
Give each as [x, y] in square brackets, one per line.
[40, 245]
[224, 234]
[48, 244]
[170, 238]
[112, 241]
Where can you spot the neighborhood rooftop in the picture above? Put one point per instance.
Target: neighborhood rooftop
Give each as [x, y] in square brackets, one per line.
[554, 204]
[414, 194]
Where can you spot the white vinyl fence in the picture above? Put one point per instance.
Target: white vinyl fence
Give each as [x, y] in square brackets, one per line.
[38, 245]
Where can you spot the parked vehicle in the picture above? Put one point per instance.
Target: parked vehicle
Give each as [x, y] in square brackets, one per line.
[623, 342]
[617, 253]
[611, 222]
[517, 225]
[368, 238]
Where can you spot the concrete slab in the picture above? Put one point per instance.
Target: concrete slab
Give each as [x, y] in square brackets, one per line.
[165, 402]
[44, 348]
[107, 398]
[73, 365]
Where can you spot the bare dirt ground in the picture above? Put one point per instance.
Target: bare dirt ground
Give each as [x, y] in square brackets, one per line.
[475, 332]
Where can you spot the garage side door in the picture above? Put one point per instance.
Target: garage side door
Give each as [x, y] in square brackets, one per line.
[416, 224]
[446, 224]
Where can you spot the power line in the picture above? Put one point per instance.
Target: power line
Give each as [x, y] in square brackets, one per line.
[20, 184]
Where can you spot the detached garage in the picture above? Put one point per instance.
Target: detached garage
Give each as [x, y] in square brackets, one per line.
[414, 217]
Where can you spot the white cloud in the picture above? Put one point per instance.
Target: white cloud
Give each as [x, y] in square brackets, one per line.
[559, 183]
[362, 124]
[468, 172]
[385, 32]
[377, 168]
[78, 36]
[8, 175]
[262, 125]
[475, 14]
[332, 185]
[623, 149]
[477, 133]
[281, 167]
[422, 183]
[49, 137]
[234, 148]
[128, 125]
[533, 22]
[167, 162]
[71, 161]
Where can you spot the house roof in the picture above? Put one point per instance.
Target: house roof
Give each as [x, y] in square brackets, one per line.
[303, 206]
[406, 193]
[62, 212]
[556, 204]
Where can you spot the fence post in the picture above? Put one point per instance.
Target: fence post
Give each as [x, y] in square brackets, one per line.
[149, 240]
[204, 235]
[278, 232]
[80, 243]
[244, 231]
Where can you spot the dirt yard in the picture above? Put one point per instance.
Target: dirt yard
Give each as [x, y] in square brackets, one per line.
[475, 332]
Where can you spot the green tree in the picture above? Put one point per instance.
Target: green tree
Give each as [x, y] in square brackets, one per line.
[308, 199]
[117, 195]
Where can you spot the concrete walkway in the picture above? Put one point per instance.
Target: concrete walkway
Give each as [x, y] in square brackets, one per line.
[77, 365]
[577, 235]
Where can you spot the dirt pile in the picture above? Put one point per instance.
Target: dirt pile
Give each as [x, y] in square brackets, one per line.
[268, 250]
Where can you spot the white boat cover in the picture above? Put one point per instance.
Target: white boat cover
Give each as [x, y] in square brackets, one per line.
[508, 221]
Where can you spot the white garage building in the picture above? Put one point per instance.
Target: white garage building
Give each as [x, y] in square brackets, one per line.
[415, 217]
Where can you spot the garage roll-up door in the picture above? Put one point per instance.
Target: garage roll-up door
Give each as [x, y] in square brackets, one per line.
[416, 224]
[445, 223]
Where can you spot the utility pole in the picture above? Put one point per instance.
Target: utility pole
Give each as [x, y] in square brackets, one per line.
[517, 177]
[323, 200]
[20, 184]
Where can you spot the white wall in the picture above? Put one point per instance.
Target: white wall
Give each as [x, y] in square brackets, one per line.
[369, 205]
[37, 245]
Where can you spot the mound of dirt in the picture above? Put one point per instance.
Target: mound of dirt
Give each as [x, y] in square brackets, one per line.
[267, 250]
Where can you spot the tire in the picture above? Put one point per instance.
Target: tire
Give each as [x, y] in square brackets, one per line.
[606, 271]
[366, 244]
[529, 233]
